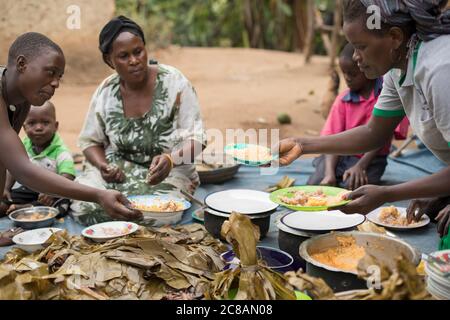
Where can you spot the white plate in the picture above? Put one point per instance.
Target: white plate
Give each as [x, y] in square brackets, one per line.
[322, 221]
[240, 200]
[373, 217]
[33, 240]
[109, 230]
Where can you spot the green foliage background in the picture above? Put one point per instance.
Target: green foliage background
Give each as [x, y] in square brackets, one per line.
[214, 23]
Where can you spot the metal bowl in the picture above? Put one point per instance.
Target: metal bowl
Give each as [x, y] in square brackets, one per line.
[214, 220]
[383, 248]
[34, 224]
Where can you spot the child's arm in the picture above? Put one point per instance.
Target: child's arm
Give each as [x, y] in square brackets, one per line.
[331, 161]
[356, 176]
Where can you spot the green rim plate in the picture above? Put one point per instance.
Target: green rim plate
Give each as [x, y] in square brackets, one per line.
[228, 150]
[196, 217]
[329, 191]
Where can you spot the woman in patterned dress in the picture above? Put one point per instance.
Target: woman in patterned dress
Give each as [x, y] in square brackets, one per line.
[143, 128]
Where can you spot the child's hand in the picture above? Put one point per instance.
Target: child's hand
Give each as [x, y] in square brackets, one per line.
[46, 200]
[112, 173]
[355, 177]
[443, 219]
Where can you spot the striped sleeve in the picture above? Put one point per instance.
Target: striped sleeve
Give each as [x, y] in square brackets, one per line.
[389, 104]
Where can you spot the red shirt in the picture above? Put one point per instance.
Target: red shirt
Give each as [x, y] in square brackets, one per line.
[350, 110]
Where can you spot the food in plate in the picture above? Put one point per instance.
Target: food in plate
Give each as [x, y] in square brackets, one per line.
[208, 167]
[35, 216]
[110, 231]
[159, 205]
[312, 199]
[392, 216]
[345, 256]
[252, 152]
[371, 227]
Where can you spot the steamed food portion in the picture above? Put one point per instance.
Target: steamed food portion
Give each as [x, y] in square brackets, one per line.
[159, 206]
[345, 256]
[392, 216]
[35, 216]
[312, 199]
[252, 153]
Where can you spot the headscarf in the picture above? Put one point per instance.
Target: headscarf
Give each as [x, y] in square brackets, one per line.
[113, 28]
[427, 15]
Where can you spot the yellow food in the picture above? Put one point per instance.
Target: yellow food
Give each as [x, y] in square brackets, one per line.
[392, 216]
[35, 216]
[345, 256]
[312, 199]
[160, 206]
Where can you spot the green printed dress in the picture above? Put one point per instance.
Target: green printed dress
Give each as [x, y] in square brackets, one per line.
[131, 143]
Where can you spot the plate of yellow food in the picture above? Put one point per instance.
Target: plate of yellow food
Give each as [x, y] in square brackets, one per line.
[250, 154]
[395, 218]
[310, 198]
[162, 209]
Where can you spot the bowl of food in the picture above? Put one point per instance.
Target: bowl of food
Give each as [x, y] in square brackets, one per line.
[33, 240]
[335, 257]
[216, 173]
[272, 258]
[161, 210]
[34, 217]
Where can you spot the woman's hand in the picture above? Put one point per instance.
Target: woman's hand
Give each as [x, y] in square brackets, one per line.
[443, 219]
[364, 200]
[117, 206]
[6, 237]
[112, 173]
[159, 169]
[355, 177]
[289, 150]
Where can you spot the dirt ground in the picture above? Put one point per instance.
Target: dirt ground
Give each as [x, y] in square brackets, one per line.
[237, 88]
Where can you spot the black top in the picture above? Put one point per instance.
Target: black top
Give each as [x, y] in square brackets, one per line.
[17, 117]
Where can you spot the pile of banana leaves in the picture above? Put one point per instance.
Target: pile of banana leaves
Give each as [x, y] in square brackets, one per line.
[164, 263]
[400, 283]
[251, 280]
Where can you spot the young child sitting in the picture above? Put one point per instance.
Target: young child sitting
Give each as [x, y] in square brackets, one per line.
[45, 148]
[351, 109]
